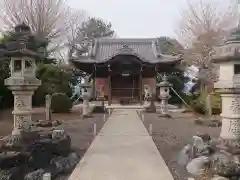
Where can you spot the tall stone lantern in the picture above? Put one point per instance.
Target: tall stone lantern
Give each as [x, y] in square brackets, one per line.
[23, 82]
[164, 95]
[87, 93]
[228, 85]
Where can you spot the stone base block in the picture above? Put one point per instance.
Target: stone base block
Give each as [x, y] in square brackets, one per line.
[165, 116]
[14, 173]
[209, 123]
[87, 115]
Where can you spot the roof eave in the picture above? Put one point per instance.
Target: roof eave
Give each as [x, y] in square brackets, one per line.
[20, 52]
[161, 60]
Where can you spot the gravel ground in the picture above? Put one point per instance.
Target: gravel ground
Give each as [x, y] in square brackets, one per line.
[170, 136]
[82, 134]
[80, 130]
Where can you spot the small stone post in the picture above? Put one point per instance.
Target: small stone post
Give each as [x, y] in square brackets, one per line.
[48, 112]
[95, 129]
[209, 105]
[150, 128]
[164, 96]
[23, 81]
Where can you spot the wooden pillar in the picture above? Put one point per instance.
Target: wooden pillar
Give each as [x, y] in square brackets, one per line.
[140, 86]
[94, 83]
[109, 86]
[156, 74]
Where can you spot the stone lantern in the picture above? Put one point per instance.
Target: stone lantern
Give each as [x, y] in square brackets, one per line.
[228, 85]
[164, 95]
[87, 93]
[227, 56]
[22, 81]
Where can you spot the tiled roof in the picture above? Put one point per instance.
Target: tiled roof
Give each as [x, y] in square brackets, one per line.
[147, 50]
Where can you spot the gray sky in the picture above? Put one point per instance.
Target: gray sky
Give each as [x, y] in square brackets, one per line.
[135, 18]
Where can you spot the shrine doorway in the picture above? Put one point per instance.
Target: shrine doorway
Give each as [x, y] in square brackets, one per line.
[125, 87]
[125, 79]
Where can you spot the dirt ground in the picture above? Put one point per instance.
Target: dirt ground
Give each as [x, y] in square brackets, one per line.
[6, 118]
[170, 136]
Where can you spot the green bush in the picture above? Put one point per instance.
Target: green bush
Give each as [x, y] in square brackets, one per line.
[188, 98]
[199, 104]
[54, 80]
[61, 103]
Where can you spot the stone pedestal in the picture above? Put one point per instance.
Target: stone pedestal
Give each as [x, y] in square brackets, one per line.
[150, 107]
[22, 90]
[230, 132]
[164, 107]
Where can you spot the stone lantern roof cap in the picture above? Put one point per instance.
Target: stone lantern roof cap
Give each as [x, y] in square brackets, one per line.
[22, 28]
[234, 36]
[85, 85]
[21, 43]
[165, 82]
[229, 50]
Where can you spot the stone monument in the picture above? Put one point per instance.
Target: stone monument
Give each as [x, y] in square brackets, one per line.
[164, 95]
[23, 81]
[148, 97]
[101, 93]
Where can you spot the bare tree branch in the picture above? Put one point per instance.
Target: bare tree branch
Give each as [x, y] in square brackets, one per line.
[47, 18]
[202, 26]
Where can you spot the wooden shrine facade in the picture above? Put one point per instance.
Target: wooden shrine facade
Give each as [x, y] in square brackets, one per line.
[122, 67]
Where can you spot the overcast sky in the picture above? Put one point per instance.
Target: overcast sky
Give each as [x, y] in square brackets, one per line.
[139, 18]
[135, 18]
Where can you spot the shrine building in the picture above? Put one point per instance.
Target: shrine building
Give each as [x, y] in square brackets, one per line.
[121, 68]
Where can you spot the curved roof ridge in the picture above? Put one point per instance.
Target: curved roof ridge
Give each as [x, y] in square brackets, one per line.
[126, 40]
[147, 50]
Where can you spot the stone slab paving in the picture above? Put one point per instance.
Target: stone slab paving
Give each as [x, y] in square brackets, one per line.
[123, 150]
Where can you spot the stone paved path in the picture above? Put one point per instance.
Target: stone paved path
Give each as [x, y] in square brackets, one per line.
[123, 150]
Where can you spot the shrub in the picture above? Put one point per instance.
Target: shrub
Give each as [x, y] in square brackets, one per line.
[61, 103]
[200, 104]
[189, 98]
[54, 80]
